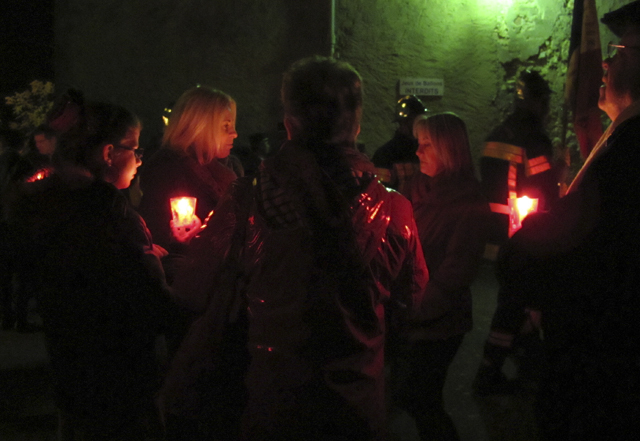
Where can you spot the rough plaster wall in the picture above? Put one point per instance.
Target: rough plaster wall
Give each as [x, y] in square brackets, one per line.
[467, 43]
[144, 54]
[477, 46]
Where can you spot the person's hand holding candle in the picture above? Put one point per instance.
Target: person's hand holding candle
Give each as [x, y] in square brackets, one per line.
[184, 222]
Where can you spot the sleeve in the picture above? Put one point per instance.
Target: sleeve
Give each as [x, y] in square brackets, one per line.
[141, 236]
[162, 309]
[408, 287]
[462, 258]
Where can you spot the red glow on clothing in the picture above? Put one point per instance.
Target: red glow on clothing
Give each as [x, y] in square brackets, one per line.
[39, 175]
[374, 210]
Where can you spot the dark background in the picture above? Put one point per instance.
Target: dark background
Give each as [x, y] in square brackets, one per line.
[26, 46]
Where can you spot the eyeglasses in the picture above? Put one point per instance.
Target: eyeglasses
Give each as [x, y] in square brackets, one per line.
[613, 48]
[136, 151]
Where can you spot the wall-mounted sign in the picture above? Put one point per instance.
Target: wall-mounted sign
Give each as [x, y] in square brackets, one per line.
[422, 86]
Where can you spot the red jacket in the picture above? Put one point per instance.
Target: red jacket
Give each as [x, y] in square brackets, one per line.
[317, 350]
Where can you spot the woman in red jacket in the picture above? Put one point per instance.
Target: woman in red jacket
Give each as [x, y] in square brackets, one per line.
[451, 215]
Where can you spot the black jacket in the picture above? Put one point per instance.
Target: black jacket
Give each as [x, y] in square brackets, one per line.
[102, 295]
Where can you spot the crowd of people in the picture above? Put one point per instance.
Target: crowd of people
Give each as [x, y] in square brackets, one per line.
[302, 300]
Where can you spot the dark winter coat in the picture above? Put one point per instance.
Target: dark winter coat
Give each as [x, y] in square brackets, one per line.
[579, 264]
[102, 296]
[452, 217]
[524, 132]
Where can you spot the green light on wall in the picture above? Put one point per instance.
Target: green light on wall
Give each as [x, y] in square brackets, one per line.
[503, 3]
[489, 7]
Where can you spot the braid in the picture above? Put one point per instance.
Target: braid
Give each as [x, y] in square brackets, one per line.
[324, 96]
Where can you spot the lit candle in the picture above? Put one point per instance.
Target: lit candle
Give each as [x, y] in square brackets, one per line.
[520, 208]
[39, 175]
[183, 210]
[525, 206]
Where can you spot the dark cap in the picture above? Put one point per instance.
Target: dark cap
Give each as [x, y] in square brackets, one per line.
[409, 106]
[622, 18]
[530, 84]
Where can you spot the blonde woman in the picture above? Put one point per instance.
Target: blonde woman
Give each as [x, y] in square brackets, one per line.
[452, 219]
[192, 162]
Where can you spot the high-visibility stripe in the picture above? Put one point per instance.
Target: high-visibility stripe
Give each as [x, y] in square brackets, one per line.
[536, 165]
[504, 151]
[499, 208]
[512, 177]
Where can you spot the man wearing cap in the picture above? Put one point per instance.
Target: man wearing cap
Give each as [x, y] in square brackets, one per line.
[516, 162]
[396, 161]
[580, 263]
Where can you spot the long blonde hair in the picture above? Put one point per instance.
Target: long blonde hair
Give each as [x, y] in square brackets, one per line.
[196, 122]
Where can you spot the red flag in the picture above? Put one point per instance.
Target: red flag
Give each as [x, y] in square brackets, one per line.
[584, 75]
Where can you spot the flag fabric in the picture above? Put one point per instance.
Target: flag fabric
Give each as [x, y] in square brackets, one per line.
[584, 75]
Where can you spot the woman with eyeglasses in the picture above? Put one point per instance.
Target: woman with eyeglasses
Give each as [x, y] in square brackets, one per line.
[193, 162]
[101, 290]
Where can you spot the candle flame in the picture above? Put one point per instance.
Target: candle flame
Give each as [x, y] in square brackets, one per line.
[39, 175]
[183, 210]
[520, 208]
[525, 206]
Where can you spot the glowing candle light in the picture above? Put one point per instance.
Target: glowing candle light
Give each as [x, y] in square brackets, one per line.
[183, 210]
[525, 206]
[39, 175]
[520, 208]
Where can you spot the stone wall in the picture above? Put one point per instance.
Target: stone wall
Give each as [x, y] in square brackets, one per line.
[476, 46]
[144, 54]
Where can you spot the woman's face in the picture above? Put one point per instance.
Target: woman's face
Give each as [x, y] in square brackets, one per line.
[429, 164]
[227, 134]
[127, 158]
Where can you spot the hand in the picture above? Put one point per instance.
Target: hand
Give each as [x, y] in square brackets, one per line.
[158, 251]
[184, 233]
